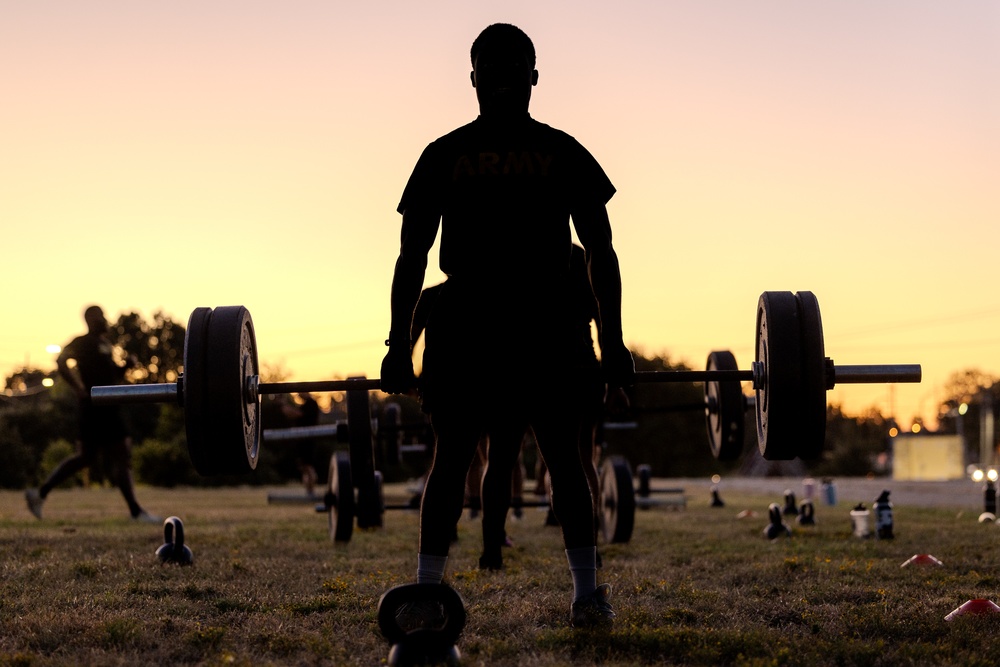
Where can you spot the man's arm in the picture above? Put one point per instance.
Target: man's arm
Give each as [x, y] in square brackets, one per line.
[594, 229]
[72, 378]
[418, 232]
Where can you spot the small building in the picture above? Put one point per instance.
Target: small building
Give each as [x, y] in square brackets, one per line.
[932, 458]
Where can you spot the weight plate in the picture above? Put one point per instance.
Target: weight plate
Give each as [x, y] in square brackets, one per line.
[380, 494]
[617, 510]
[778, 397]
[812, 413]
[197, 414]
[724, 407]
[361, 443]
[342, 491]
[234, 415]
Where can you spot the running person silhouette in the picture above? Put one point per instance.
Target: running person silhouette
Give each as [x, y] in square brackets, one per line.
[503, 189]
[102, 429]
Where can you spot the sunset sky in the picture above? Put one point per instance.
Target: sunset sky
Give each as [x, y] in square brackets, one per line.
[164, 156]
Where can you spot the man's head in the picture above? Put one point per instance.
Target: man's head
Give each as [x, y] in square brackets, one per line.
[94, 317]
[503, 70]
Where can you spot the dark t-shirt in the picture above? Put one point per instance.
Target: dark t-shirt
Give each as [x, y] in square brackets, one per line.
[94, 356]
[505, 195]
[94, 360]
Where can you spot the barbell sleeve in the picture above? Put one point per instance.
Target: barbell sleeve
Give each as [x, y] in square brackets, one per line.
[164, 392]
[876, 374]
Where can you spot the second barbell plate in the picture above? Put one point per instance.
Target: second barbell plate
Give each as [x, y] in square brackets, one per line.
[205, 458]
[361, 443]
[234, 421]
[341, 514]
[812, 411]
[617, 500]
[724, 409]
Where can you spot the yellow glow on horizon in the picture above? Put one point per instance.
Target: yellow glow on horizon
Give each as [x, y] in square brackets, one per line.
[175, 159]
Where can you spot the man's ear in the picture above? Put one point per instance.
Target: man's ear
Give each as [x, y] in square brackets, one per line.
[534, 77]
[472, 77]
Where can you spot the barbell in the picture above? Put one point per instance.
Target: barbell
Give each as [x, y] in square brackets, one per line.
[342, 506]
[220, 390]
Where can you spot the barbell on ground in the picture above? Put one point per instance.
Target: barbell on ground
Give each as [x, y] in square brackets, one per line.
[617, 500]
[220, 391]
[342, 505]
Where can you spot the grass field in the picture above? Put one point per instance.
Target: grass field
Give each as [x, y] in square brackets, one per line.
[693, 587]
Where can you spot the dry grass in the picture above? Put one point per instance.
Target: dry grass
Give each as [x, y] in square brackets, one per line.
[697, 587]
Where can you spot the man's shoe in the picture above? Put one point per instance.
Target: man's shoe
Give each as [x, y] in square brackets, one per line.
[594, 610]
[35, 502]
[492, 561]
[146, 517]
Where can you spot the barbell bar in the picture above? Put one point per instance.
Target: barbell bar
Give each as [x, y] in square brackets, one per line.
[220, 388]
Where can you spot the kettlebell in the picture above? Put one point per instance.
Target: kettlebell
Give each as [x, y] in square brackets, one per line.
[422, 622]
[174, 550]
[807, 514]
[791, 508]
[777, 528]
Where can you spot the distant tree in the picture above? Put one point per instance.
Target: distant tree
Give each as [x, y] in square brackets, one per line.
[979, 391]
[157, 346]
[853, 444]
[26, 381]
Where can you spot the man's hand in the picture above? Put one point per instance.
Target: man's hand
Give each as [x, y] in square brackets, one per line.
[397, 371]
[617, 364]
[616, 404]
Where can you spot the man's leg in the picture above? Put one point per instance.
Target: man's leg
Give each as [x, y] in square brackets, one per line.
[120, 453]
[456, 437]
[558, 435]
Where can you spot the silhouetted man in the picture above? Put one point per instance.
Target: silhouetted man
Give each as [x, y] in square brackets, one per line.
[503, 190]
[102, 429]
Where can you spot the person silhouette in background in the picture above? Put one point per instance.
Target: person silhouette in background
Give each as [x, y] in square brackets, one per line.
[307, 415]
[87, 361]
[503, 189]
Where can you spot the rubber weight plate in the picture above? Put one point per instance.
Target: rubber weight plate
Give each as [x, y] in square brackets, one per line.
[617, 497]
[197, 416]
[361, 443]
[341, 521]
[724, 407]
[778, 399]
[234, 416]
[812, 412]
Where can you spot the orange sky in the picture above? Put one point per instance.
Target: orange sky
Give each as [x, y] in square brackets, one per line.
[176, 155]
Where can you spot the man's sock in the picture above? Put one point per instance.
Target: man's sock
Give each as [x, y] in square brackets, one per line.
[430, 569]
[583, 567]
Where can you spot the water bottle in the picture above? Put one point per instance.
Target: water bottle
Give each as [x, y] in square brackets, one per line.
[830, 491]
[883, 517]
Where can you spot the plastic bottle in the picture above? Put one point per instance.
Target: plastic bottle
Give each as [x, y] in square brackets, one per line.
[883, 517]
